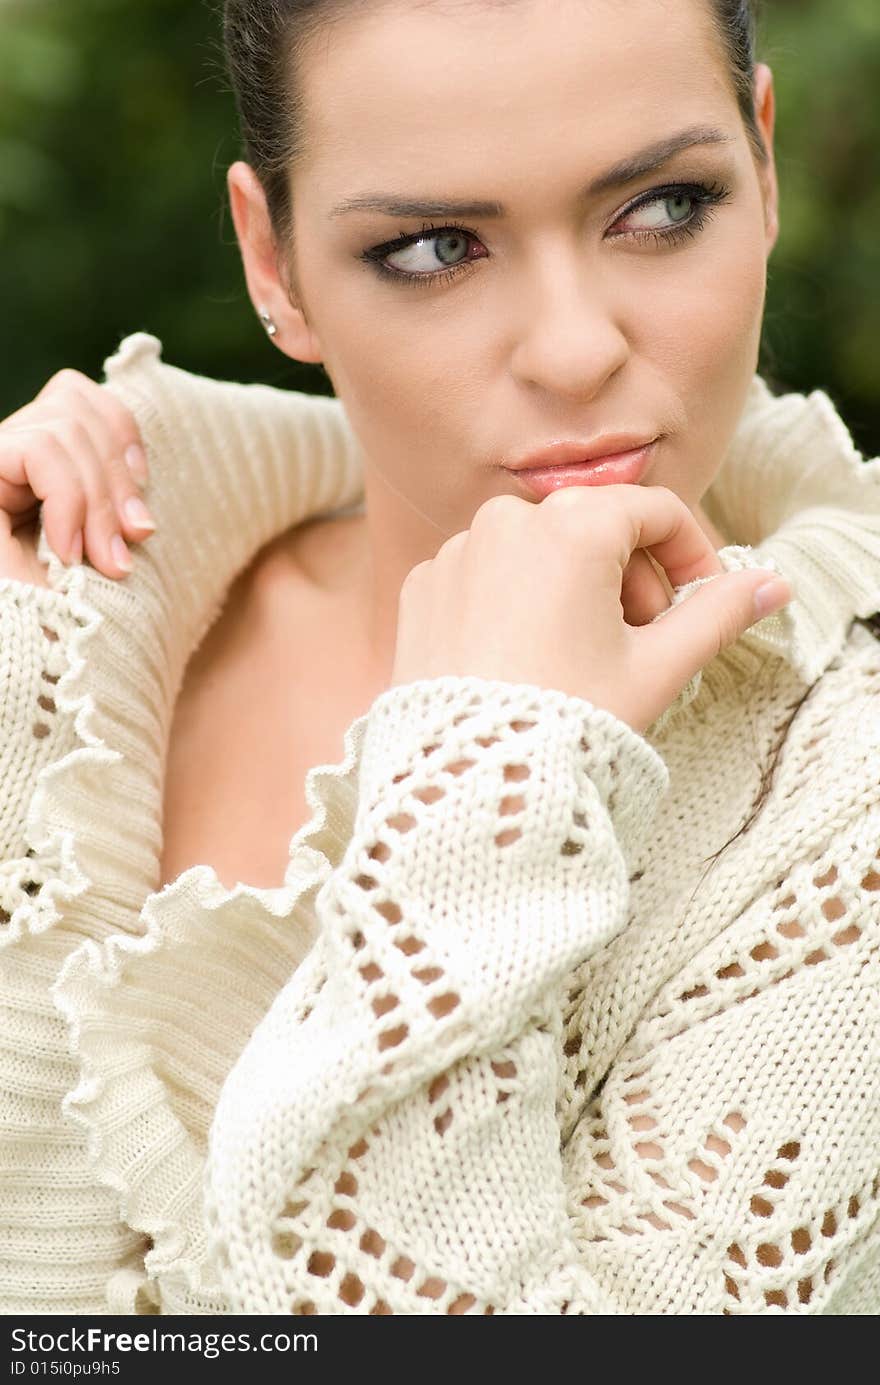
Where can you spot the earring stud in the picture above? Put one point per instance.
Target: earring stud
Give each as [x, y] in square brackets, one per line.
[268, 323]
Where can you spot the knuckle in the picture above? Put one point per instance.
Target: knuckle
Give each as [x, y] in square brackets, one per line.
[497, 509]
[67, 378]
[453, 544]
[570, 505]
[102, 511]
[118, 413]
[414, 576]
[73, 434]
[664, 493]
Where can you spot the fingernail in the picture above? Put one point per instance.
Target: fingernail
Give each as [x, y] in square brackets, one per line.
[121, 555]
[771, 597]
[76, 550]
[136, 513]
[136, 462]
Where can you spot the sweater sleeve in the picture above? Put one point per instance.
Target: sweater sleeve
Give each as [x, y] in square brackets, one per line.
[88, 671]
[36, 628]
[388, 1141]
[424, 1123]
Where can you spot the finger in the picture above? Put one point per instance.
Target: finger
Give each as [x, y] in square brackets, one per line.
[103, 542]
[63, 516]
[17, 445]
[644, 591]
[50, 472]
[102, 538]
[65, 473]
[669, 531]
[713, 617]
[113, 434]
[100, 399]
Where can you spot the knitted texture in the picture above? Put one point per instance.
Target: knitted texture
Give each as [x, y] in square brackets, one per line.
[501, 1041]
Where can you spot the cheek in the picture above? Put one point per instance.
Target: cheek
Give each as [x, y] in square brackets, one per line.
[705, 322]
[404, 378]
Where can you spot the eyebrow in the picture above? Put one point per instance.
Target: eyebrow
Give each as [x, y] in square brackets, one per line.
[647, 160]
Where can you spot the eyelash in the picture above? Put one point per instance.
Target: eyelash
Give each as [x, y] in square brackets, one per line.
[707, 196]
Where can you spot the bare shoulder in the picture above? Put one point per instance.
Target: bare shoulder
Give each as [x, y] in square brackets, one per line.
[322, 553]
[292, 586]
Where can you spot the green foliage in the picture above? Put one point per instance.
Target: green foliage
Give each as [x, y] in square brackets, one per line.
[823, 305]
[117, 126]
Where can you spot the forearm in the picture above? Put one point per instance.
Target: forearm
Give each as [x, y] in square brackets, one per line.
[411, 1136]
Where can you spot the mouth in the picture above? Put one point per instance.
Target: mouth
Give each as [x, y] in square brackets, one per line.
[563, 452]
[621, 467]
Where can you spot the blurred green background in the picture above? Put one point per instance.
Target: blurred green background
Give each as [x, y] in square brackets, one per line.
[117, 126]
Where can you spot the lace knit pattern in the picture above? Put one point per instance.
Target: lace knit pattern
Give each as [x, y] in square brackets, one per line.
[500, 1042]
[389, 1141]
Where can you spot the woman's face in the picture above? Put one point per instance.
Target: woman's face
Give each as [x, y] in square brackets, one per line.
[570, 313]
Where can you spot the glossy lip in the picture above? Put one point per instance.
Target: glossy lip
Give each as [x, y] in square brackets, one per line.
[621, 468]
[564, 453]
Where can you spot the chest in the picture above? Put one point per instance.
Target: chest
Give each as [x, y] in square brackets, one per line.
[266, 697]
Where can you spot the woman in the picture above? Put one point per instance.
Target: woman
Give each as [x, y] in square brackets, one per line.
[497, 1043]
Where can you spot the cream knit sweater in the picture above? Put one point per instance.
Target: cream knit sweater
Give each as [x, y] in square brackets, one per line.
[502, 1041]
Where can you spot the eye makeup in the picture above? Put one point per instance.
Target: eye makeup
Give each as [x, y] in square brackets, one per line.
[705, 197]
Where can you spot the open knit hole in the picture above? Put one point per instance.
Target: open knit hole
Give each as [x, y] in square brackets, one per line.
[371, 1243]
[409, 945]
[321, 1264]
[457, 767]
[505, 1071]
[351, 1290]
[461, 1304]
[508, 836]
[432, 1288]
[390, 1038]
[443, 1004]
[341, 1219]
[778, 1258]
[403, 1268]
[436, 1091]
[286, 1244]
[401, 822]
[303, 1307]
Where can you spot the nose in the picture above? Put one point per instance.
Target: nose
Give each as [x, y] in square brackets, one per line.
[571, 341]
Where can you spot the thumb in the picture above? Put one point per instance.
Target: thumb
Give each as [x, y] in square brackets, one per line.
[686, 637]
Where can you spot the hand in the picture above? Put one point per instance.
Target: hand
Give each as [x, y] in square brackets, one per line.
[533, 594]
[68, 450]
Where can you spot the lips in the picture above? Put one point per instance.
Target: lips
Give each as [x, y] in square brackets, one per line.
[567, 452]
[622, 468]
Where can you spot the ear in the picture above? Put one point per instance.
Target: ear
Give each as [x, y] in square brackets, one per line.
[267, 280]
[765, 114]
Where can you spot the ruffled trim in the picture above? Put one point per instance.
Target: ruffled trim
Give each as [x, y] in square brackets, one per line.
[148, 1084]
[143, 1129]
[798, 496]
[142, 1068]
[49, 838]
[802, 501]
